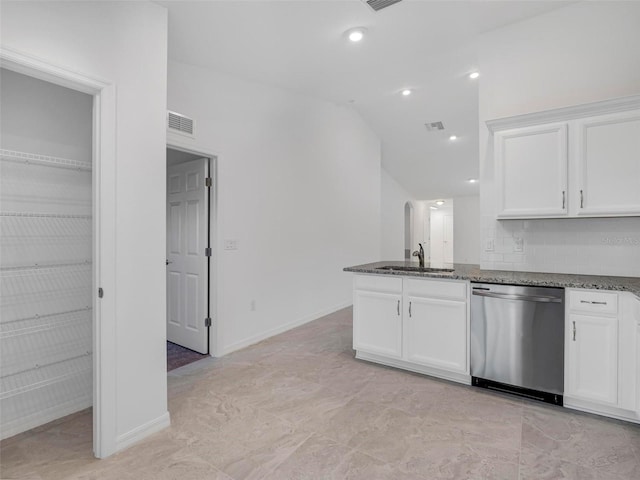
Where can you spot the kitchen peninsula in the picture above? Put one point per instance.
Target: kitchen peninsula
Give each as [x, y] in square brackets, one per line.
[420, 319]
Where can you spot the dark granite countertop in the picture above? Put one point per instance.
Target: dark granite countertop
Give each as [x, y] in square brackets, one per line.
[475, 274]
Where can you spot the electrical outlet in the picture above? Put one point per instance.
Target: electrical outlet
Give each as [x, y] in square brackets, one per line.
[489, 245]
[230, 244]
[518, 244]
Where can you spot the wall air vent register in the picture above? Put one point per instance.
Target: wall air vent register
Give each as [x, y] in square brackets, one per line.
[434, 126]
[179, 123]
[380, 4]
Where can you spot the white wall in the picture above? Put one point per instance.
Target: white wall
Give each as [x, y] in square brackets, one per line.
[466, 229]
[40, 117]
[124, 43]
[298, 187]
[584, 52]
[392, 200]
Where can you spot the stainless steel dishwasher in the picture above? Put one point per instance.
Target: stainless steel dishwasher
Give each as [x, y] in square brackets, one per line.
[517, 340]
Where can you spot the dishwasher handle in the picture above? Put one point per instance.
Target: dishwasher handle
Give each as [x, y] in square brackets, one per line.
[514, 296]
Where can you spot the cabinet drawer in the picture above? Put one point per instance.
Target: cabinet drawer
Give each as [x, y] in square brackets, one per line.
[378, 283]
[436, 288]
[593, 302]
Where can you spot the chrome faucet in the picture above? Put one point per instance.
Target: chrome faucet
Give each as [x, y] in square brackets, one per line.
[420, 255]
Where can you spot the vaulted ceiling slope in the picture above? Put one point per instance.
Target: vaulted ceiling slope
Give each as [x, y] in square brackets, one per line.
[426, 46]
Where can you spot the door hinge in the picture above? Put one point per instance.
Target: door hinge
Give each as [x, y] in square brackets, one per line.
[207, 252]
[100, 293]
[207, 322]
[207, 182]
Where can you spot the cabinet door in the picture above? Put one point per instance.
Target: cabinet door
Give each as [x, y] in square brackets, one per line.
[436, 333]
[377, 323]
[531, 171]
[592, 358]
[608, 165]
[638, 369]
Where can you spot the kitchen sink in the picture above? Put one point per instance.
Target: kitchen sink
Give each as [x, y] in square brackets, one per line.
[400, 268]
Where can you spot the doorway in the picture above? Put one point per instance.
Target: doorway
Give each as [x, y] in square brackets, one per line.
[47, 265]
[441, 232]
[408, 230]
[189, 253]
[432, 226]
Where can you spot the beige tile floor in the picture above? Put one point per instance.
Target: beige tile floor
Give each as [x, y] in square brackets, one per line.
[299, 406]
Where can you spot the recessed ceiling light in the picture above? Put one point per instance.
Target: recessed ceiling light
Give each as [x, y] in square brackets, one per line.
[452, 137]
[474, 75]
[406, 92]
[472, 180]
[356, 34]
[439, 202]
[433, 208]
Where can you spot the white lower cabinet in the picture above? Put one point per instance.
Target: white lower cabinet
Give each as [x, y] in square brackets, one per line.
[435, 332]
[417, 324]
[422, 325]
[593, 358]
[377, 315]
[379, 325]
[638, 369]
[601, 353]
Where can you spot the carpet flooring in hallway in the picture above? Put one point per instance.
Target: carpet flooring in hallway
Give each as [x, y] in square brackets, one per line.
[178, 356]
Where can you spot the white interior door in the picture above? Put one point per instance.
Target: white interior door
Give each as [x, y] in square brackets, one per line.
[437, 240]
[187, 278]
[447, 240]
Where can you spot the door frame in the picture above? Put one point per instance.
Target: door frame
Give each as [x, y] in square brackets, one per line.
[212, 199]
[104, 232]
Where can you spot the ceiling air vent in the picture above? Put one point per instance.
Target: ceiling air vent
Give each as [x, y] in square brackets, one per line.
[434, 126]
[180, 124]
[380, 4]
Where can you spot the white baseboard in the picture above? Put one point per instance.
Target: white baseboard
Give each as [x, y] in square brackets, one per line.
[44, 416]
[283, 328]
[613, 412]
[143, 431]
[412, 367]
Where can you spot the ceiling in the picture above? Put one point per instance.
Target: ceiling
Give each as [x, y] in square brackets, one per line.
[427, 46]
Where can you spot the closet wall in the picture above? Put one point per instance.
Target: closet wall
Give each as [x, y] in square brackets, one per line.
[46, 244]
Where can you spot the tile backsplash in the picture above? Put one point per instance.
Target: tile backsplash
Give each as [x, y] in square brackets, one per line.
[595, 246]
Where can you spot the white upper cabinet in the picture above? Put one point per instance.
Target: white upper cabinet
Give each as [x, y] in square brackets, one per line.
[531, 167]
[608, 164]
[570, 162]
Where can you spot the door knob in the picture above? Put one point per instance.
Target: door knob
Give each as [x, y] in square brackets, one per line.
[168, 262]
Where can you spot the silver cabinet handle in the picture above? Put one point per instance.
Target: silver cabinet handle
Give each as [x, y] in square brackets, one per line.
[563, 199]
[398, 307]
[409, 309]
[593, 303]
[581, 199]
[574, 331]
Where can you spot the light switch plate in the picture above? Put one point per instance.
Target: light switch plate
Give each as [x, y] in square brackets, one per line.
[488, 245]
[518, 244]
[230, 244]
